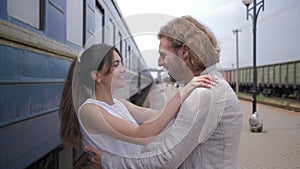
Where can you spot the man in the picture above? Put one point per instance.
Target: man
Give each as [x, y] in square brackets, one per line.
[207, 130]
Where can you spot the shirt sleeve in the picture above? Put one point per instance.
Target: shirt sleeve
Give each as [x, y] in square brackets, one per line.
[173, 145]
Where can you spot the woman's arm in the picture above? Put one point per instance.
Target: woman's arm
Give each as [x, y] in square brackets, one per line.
[142, 114]
[97, 120]
[104, 122]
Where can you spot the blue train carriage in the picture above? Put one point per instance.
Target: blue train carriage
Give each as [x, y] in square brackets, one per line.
[38, 41]
[280, 79]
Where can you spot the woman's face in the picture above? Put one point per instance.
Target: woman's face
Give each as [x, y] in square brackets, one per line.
[116, 77]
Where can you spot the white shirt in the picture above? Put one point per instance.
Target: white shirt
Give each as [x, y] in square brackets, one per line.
[205, 134]
[103, 141]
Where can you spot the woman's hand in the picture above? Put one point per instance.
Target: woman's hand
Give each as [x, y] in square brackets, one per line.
[206, 81]
[203, 81]
[94, 156]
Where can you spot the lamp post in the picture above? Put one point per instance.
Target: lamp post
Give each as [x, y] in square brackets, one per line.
[255, 121]
[236, 32]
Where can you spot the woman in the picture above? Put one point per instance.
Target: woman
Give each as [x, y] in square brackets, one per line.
[105, 122]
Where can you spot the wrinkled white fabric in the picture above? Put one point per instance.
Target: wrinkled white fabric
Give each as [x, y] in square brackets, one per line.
[205, 134]
[103, 141]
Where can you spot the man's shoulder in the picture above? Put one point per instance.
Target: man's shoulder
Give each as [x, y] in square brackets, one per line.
[202, 91]
[199, 96]
[208, 94]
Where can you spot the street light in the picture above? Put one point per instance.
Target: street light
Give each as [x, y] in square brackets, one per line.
[255, 121]
[236, 32]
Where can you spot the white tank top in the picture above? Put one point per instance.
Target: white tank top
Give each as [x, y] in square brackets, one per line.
[103, 141]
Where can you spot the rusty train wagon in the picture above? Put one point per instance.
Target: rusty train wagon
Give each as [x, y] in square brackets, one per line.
[38, 41]
[280, 79]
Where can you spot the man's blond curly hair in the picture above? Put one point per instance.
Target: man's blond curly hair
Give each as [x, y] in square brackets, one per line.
[202, 45]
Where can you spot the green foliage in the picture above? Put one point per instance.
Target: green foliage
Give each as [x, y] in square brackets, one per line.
[260, 97]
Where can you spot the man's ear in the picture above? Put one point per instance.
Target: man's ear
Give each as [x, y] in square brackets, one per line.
[184, 52]
[96, 76]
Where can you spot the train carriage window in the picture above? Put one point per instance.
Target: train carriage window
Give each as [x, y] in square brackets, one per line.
[132, 61]
[99, 23]
[75, 21]
[110, 33]
[26, 11]
[125, 54]
[129, 57]
[135, 61]
[119, 42]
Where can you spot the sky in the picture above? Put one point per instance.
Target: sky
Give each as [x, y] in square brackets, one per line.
[278, 28]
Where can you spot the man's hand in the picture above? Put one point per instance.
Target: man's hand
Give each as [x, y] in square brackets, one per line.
[94, 156]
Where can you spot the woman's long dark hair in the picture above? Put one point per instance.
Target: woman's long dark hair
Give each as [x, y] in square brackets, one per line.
[96, 57]
[69, 127]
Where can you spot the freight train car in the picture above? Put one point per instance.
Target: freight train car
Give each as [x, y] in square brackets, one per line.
[38, 41]
[280, 79]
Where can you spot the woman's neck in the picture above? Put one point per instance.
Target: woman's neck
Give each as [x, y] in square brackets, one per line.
[104, 95]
